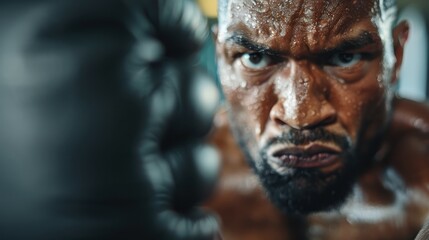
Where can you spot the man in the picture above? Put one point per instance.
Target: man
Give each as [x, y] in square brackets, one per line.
[310, 93]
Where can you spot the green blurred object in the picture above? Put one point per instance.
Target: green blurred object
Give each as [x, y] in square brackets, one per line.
[207, 55]
[422, 4]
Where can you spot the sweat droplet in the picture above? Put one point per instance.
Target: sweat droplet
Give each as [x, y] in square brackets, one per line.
[283, 32]
[347, 100]
[380, 81]
[256, 92]
[257, 130]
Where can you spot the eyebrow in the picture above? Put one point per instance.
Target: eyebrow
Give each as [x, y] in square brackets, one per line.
[363, 39]
[245, 42]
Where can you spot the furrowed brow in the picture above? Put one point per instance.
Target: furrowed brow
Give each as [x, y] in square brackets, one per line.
[245, 42]
[364, 39]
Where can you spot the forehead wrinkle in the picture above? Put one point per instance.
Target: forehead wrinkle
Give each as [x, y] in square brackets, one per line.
[305, 27]
[314, 23]
[327, 14]
[305, 31]
[296, 27]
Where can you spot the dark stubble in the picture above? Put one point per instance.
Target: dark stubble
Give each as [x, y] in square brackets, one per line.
[308, 190]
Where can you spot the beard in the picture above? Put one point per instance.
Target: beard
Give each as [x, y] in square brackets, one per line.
[303, 191]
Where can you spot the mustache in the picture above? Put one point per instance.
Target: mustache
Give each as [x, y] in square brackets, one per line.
[302, 137]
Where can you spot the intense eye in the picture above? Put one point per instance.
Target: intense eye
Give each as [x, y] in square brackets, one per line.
[345, 59]
[255, 60]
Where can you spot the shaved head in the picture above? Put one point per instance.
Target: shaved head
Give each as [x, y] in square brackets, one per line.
[382, 5]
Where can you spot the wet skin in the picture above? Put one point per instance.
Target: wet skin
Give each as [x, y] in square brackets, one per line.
[309, 88]
[390, 200]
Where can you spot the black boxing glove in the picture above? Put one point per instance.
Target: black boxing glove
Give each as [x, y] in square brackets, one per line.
[180, 107]
[77, 158]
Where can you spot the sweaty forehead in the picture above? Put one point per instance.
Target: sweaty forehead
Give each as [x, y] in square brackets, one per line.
[302, 22]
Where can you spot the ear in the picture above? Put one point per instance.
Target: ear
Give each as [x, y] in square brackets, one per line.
[215, 34]
[215, 30]
[400, 37]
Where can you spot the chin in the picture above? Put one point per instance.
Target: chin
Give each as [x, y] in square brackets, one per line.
[303, 191]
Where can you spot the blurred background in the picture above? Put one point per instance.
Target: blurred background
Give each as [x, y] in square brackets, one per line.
[414, 73]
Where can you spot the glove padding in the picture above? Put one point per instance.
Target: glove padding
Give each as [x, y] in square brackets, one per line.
[179, 106]
[181, 170]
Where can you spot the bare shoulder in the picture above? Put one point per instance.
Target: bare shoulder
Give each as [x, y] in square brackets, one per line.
[409, 142]
[410, 117]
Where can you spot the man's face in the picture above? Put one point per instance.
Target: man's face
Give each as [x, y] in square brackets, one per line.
[308, 85]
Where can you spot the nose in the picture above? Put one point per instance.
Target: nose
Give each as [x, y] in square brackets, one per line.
[302, 99]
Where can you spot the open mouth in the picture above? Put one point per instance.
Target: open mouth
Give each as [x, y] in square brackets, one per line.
[312, 156]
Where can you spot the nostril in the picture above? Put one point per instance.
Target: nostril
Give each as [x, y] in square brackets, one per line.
[277, 114]
[305, 115]
[320, 122]
[305, 120]
[330, 119]
[279, 121]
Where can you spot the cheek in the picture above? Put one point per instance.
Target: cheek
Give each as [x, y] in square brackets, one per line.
[250, 107]
[362, 104]
[230, 82]
[249, 104]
